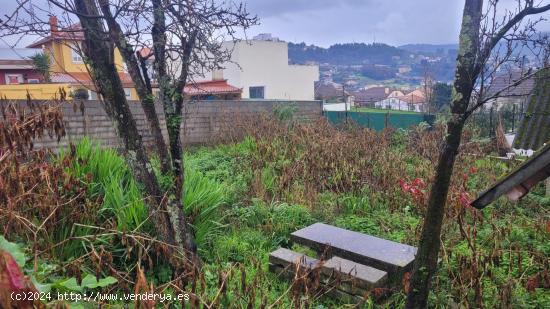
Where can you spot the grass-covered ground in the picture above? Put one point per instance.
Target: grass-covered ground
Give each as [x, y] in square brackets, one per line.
[246, 197]
[492, 257]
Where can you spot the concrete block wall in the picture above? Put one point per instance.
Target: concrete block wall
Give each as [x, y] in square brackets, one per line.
[204, 120]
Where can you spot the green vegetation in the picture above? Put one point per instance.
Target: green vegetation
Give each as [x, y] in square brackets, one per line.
[345, 54]
[42, 65]
[245, 199]
[441, 97]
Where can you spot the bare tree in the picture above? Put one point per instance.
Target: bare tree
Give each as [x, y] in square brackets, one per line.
[479, 58]
[186, 37]
[427, 88]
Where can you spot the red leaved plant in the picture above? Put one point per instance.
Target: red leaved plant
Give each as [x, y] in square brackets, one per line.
[15, 288]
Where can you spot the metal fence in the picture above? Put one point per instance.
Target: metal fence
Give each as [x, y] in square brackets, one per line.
[378, 120]
[485, 121]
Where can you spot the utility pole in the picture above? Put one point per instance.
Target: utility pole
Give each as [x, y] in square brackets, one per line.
[345, 100]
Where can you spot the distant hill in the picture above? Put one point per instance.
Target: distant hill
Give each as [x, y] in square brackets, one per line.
[345, 54]
[429, 48]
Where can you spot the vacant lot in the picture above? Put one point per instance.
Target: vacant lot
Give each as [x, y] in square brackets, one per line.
[247, 196]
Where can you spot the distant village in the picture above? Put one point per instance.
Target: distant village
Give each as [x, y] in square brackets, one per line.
[381, 97]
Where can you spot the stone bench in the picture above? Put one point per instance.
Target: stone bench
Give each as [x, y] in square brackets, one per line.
[354, 263]
[285, 258]
[337, 276]
[390, 256]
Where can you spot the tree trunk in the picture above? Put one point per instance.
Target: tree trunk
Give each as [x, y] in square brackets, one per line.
[141, 83]
[172, 100]
[430, 242]
[99, 50]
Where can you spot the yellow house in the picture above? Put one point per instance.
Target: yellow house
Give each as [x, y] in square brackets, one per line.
[68, 70]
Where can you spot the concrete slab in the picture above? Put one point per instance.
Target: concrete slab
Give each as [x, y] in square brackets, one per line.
[379, 253]
[362, 276]
[285, 257]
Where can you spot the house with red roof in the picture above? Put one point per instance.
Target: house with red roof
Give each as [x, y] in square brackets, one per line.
[16, 67]
[212, 90]
[69, 72]
[414, 101]
[67, 68]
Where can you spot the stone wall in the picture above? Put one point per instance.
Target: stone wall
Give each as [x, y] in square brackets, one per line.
[205, 120]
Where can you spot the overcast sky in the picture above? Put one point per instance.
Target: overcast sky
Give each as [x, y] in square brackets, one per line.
[396, 22]
[326, 22]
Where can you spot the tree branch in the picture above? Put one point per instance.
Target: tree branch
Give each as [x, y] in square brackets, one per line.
[495, 38]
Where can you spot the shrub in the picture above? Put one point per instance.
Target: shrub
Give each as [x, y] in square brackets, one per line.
[80, 94]
[241, 246]
[287, 218]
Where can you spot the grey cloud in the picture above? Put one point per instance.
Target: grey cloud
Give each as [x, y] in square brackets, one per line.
[326, 22]
[268, 8]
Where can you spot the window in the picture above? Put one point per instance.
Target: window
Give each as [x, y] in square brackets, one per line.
[75, 53]
[257, 92]
[13, 79]
[128, 93]
[33, 81]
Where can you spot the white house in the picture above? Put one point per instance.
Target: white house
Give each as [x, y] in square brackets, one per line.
[413, 101]
[395, 94]
[261, 69]
[396, 103]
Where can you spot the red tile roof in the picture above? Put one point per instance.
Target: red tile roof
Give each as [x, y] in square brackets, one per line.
[211, 87]
[22, 63]
[373, 94]
[412, 99]
[502, 81]
[73, 33]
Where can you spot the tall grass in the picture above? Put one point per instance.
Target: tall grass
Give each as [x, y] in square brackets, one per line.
[202, 199]
[110, 181]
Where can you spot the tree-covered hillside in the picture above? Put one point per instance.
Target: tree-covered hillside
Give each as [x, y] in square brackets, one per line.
[346, 54]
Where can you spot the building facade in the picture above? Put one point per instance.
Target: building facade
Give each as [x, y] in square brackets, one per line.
[261, 69]
[67, 68]
[16, 67]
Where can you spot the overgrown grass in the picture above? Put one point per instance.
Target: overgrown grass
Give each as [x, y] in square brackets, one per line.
[110, 181]
[247, 197]
[357, 186]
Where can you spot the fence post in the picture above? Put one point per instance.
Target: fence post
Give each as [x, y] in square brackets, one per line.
[491, 122]
[368, 120]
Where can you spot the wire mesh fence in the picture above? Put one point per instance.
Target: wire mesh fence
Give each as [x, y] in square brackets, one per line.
[484, 121]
